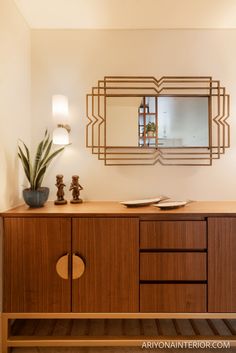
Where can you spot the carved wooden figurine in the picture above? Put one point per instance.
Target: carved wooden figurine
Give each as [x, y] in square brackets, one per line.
[60, 190]
[76, 187]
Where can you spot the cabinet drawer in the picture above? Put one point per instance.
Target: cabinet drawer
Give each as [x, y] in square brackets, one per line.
[173, 235]
[173, 266]
[173, 298]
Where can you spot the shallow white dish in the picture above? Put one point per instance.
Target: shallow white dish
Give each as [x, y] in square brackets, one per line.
[171, 204]
[144, 202]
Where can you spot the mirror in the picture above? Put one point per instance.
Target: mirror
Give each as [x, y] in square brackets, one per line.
[183, 121]
[157, 121]
[122, 121]
[174, 120]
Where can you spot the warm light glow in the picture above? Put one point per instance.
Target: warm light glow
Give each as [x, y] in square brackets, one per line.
[60, 109]
[60, 136]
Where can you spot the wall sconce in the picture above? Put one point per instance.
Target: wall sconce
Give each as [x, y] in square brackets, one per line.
[60, 114]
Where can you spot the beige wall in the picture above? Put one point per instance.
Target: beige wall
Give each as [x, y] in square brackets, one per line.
[70, 62]
[14, 105]
[134, 14]
[14, 99]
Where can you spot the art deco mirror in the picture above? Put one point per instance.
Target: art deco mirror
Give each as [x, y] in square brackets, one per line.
[173, 121]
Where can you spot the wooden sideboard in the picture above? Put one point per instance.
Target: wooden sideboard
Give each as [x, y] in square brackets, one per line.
[138, 262]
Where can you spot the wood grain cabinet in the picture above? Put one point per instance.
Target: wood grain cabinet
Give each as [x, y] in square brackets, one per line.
[177, 266]
[222, 264]
[183, 235]
[32, 247]
[118, 262]
[173, 298]
[173, 266]
[109, 247]
[43, 257]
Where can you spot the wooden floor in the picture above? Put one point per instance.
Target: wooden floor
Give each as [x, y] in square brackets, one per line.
[114, 350]
[124, 327]
[162, 328]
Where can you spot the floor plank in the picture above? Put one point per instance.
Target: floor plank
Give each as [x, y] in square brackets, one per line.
[119, 327]
[110, 350]
[97, 327]
[79, 327]
[149, 327]
[167, 327]
[131, 327]
[114, 327]
[221, 327]
[185, 327]
[203, 328]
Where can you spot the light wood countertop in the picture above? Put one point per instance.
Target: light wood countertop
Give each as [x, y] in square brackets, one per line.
[109, 208]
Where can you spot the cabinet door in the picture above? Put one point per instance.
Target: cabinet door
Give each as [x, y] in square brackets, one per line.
[109, 248]
[32, 247]
[222, 265]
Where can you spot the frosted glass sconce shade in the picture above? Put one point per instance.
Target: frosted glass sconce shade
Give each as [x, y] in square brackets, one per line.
[60, 109]
[60, 112]
[60, 136]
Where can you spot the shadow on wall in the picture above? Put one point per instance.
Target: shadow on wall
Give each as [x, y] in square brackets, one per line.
[9, 180]
[1, 234]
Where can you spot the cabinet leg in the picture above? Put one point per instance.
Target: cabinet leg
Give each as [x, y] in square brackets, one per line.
[5, 334]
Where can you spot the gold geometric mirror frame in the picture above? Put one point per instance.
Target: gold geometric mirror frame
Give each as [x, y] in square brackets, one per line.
[167, 86]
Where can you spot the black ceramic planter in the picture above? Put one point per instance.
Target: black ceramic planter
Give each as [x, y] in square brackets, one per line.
[36, 198]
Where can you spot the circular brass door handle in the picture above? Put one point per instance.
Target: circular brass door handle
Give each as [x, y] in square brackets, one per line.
[78, 266]
[62, 267]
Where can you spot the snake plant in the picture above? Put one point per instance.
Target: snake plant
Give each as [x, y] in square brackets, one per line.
[35, 168]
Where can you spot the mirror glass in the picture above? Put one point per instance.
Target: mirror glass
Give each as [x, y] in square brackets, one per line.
[183, 121]
[122, 121]
[164, 121]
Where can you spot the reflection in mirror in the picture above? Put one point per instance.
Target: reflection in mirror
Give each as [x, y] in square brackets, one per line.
[148, 122]
[162, 122]
[122, 121]
[183, 122]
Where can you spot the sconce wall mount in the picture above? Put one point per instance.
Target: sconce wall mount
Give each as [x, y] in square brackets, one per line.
[65, 126]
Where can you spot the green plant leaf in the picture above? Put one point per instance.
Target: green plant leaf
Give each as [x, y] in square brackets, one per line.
[46, 140]
[26, 149]
[37, 161]
[39, 177]
[48, 147]
[53, 155]
[46, 163]
[39, 156]
[43, 158]
[151, 127]
[23, 158]
[46, 153]
[25, 169]
[27, 156]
